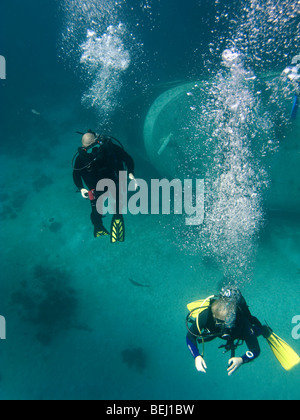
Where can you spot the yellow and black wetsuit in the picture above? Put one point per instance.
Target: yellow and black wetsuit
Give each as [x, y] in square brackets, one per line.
[247, 328]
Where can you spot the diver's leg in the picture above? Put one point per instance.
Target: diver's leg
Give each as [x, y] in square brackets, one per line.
[118, 225]
[97, 221]
[257, 326]
[118, 210]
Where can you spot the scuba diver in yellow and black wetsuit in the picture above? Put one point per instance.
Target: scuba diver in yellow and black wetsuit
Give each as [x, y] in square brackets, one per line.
[101, 158]
[227, 317]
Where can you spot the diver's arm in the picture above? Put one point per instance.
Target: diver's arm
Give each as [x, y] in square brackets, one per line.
[129, 163]
[252, 327]
[77, 175]
[191, 338]
[236, 362]
[252, 354]
[192, 346]
[252, 343]
[191, 341]
[79, 184]
[126, 158]
[78, 180]
[250, 337]
[132, 178]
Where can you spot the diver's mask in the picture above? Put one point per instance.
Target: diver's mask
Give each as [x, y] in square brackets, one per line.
[222, 327]
[219, 323]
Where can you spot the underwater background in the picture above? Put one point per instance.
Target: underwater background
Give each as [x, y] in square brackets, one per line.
[78, 324]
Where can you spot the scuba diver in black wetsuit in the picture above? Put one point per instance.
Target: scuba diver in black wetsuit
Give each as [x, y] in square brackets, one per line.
[226, 317]
[100, 158]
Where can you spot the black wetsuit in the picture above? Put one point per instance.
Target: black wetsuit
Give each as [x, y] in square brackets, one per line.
[247, 328]
[106, 162]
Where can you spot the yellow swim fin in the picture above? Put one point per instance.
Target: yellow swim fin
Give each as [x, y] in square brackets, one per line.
[286, 356]
[101, 233]
[195, 308]
[117, 229]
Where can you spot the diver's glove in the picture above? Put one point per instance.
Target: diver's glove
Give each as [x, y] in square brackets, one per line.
[84, 193]
[234, 364]
[200, 364]
[131, 176]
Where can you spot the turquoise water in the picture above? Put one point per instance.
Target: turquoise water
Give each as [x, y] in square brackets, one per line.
[77, 326]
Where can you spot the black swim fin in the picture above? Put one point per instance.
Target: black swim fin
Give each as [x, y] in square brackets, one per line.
[117, 229]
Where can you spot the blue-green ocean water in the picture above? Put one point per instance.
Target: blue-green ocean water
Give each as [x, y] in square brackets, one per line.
[76, 326]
